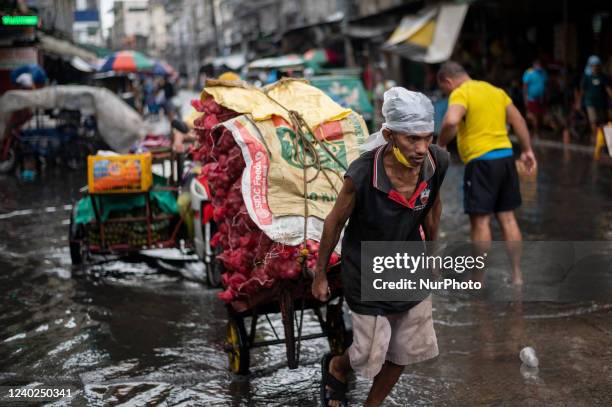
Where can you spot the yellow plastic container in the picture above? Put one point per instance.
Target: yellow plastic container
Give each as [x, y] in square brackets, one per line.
[119, 174]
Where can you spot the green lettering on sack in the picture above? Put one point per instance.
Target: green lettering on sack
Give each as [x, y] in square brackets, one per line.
[291, 151]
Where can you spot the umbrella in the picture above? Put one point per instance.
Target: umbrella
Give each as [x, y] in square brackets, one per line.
[127, 61]
[163, 68]
[38, 74]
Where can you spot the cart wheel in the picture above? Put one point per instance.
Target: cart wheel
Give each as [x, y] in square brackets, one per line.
[75, 237]
[288, 316]
[337, 335]
[214, 269]
[237, 347]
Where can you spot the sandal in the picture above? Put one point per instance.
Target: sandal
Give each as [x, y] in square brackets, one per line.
[336, 390]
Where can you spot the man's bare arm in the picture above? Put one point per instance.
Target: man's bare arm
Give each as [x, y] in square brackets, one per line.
[516, 120]
[453, 116]
[432, 220]
[334, 222]
[332, 228]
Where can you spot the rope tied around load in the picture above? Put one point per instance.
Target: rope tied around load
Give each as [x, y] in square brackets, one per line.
[308, 148]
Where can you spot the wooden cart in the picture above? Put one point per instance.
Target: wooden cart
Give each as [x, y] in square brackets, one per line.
[290, 298]
[82, 246]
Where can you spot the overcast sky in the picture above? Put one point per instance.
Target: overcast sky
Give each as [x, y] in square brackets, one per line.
[105, 15]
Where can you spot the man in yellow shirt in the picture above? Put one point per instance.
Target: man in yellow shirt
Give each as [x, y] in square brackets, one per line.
[477, 114]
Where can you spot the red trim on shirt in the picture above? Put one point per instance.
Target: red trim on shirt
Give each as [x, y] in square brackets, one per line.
[397, 197]
[401, 199]
[416, 194]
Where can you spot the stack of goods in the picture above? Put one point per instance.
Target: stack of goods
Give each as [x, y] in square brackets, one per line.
[251, 259]
[119, 173]
[132, 233]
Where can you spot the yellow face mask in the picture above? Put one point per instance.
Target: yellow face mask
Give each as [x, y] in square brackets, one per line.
[401, 157]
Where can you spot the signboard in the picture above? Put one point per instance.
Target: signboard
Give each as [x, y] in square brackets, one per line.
[29, 21]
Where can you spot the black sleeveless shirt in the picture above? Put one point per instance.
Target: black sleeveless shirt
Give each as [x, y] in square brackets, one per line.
[383, 214]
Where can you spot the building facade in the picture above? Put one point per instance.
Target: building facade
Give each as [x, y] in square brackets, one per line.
[87, 27]
[158, 35]
[198, 31]
[132, 25]
[56, 16]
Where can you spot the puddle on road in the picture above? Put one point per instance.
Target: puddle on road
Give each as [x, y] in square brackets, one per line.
[134, 332]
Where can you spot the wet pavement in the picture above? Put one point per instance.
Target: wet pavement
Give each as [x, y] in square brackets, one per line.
[131, 333]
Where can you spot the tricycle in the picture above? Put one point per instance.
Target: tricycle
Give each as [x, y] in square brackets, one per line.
[64, 121]
[54, 135]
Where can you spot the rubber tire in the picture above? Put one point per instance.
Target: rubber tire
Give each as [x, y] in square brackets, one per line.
[214, 269]
[237, 348]
[287, 310]
[75, 236]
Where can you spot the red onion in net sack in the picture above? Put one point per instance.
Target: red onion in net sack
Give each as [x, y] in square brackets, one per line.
[252, 260]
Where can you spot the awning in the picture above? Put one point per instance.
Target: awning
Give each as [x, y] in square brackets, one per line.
[63, 48]
[80, 64]
[285, 61]
[331, 19]
[367, 32]
[233, 61]
[412, 26]
[429, 36]
[100, 52]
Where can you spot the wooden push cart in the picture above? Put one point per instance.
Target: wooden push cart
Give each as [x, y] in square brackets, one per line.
[290, 298]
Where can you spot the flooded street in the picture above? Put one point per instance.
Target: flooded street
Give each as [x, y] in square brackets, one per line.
[133, 333]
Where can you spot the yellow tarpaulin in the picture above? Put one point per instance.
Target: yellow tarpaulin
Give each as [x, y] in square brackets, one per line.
[410, 26]
[430, 35]
[424, 36]
[312, 104]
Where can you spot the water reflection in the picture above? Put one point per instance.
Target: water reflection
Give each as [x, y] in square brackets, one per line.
[132, 333]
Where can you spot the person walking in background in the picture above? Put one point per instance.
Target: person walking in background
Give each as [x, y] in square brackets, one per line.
[477, 113]
[149, 96]
[595, 88]
[20, 119]
[534, 90]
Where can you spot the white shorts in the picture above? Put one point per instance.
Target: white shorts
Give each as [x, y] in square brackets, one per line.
[402, 339]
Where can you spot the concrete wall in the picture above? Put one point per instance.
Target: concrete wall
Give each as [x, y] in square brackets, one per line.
[57, 16]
